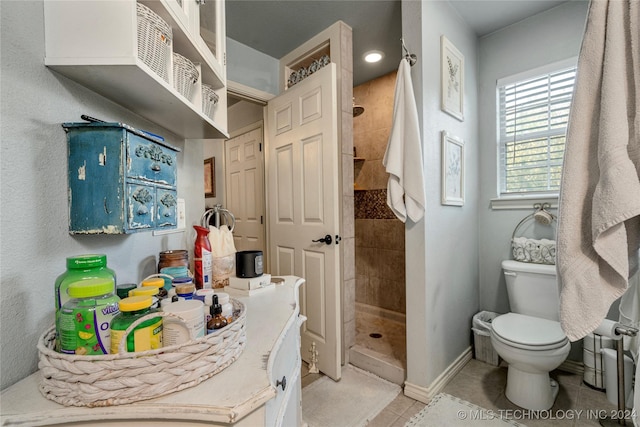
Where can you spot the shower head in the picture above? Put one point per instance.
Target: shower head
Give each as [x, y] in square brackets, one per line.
[357, 110]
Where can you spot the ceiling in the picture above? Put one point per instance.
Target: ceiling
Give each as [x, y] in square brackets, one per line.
[276, 27]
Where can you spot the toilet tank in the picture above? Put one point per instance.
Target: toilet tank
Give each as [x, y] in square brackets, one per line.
[532, 289]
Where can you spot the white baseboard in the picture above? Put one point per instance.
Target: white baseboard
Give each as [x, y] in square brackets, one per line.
[425, 394]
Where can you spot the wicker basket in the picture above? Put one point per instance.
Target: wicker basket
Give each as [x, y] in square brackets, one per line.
[116, 379]
[185, 75]
[154, 41]
[537, 251]
[209, 100]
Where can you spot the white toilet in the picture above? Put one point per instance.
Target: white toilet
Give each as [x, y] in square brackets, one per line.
[529, 338]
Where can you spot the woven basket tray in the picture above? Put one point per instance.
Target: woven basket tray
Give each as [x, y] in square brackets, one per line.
[117, 379]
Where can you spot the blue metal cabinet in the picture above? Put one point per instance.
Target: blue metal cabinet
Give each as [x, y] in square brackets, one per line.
[121, 180]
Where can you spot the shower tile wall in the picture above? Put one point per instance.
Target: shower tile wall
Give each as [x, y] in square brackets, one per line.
[379, 242]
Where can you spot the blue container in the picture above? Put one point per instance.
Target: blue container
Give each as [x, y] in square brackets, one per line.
[175, 272]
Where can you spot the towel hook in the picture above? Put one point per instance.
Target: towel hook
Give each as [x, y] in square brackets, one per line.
[411, 57]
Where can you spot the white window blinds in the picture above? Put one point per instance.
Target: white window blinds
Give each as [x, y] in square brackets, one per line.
[534, 112]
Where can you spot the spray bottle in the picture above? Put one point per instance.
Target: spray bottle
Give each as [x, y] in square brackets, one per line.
[203, 260]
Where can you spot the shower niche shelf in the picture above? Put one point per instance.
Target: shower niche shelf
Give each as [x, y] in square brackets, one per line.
[357, 162]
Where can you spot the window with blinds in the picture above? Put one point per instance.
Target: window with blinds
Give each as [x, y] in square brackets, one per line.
[534, 111]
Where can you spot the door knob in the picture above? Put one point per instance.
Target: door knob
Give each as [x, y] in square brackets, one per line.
[326, 240]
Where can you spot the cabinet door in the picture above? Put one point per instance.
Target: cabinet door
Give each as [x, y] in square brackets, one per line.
[166, 208]
[285, 373]
[96, 199]
[141, 207]
[208, 23]
[149, 161]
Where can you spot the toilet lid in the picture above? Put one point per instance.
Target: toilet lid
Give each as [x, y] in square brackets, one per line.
[528, 331]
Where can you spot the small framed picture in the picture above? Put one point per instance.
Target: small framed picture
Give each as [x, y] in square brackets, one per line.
[452, 181]
[210, 177]
[452, 71]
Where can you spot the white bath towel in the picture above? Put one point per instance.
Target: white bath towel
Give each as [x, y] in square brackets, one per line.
[599, 208]
[403, 158]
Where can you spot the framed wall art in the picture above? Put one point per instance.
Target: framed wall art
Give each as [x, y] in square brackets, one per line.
[210, 177]
[452, 181]
[452, 72]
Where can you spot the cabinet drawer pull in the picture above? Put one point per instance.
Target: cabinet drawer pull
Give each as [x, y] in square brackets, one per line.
[282, 383]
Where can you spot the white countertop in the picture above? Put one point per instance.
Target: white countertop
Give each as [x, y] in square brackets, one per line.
[226, 397]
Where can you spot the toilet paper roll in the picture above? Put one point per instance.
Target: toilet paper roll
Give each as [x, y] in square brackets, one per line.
[608, 329]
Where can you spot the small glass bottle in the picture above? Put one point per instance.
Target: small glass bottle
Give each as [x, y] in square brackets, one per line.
[206, 296]
[227, 307]
[174, 258]
[145, 336]
[217, 320]
[83, 323]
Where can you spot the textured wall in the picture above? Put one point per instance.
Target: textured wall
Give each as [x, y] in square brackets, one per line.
[442, 250]
[507, 52]
[251, 68]
[34, 101]
[380, 257]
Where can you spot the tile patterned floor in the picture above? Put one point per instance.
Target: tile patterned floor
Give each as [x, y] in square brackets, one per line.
[484, 385]
[478, 382]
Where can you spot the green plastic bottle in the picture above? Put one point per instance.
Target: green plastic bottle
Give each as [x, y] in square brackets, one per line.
[83, 324]
[145, 336]
[82, 267]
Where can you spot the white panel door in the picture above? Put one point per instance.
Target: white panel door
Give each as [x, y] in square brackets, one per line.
[303, 205]
[244, 178]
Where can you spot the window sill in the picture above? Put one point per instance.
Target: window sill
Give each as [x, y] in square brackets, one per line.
[523, 202]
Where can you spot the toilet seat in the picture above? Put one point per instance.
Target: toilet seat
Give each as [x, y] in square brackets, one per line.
[528, 333]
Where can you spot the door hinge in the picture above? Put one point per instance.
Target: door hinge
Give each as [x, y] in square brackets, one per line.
[224, 59]
[261, 220]
[260, 146]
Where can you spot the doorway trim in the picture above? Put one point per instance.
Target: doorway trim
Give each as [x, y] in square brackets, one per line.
[248, 93]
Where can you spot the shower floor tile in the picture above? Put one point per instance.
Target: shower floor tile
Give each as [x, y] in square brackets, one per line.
[382, 335]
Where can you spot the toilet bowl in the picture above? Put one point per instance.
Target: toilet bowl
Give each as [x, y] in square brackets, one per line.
[532, 347]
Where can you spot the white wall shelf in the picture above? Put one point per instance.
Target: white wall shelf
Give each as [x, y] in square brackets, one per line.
[95, 44]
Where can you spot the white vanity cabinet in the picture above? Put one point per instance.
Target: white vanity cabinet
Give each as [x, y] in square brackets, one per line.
[95, 43]
[248, 393]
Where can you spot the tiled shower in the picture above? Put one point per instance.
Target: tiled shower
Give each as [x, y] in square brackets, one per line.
[379, 240]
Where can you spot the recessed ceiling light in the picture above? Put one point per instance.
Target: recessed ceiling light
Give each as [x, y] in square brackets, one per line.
[373, 56]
